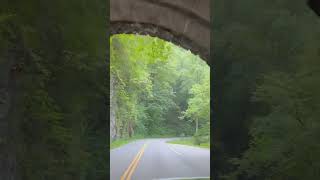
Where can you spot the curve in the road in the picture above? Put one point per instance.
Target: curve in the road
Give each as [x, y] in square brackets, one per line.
[158, 161]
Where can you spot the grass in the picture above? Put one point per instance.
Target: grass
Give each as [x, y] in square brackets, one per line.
[189, 142]
[185, 141]
[123, 141]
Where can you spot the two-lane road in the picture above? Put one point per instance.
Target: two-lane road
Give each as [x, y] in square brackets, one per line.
[150, 159]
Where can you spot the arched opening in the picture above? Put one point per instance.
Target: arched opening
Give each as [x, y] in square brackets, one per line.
[155, 30]
[157, 90]
[187, 23]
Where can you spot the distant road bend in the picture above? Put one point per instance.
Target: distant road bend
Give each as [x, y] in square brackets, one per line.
[154, 159]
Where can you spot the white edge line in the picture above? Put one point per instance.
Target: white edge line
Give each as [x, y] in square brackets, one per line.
[170, 147]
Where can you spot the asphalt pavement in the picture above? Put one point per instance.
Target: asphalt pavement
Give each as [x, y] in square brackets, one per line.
[152, 159]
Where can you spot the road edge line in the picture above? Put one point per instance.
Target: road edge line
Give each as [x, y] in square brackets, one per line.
[172, 149]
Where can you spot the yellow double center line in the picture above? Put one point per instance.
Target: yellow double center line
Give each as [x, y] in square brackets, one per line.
[133, 165]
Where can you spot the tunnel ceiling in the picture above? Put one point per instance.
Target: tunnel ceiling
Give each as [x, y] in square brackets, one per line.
[183, 22]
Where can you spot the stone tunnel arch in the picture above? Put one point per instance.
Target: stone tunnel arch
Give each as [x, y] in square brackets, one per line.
[183, 22]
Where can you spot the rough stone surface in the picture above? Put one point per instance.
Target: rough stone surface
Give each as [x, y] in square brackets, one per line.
[184, 22]
[154, 31]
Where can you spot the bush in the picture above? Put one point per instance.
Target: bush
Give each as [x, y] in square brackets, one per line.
[199, 139]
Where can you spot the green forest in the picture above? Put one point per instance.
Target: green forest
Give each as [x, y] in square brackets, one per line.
[266, 97]
[157, 89]
[53, 66]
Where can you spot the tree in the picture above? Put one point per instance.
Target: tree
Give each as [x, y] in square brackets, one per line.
[57, 119]
[166, 73]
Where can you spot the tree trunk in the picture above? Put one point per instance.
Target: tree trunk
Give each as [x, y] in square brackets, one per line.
[197, 125]
[130, 129]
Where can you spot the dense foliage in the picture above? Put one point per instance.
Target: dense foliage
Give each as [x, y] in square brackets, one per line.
[58, 122]
[267, 90]
[159, 89]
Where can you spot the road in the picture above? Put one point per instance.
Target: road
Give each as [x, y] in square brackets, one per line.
[150, 159]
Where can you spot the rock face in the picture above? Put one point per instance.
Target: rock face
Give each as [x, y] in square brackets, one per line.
[113, 105]
[184, 22]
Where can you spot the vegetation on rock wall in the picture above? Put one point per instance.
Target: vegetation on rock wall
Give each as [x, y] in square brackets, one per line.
[266, 59]
[58, 81]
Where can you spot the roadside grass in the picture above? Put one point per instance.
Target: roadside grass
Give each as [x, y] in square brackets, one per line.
[190, 142]
[123, 141]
